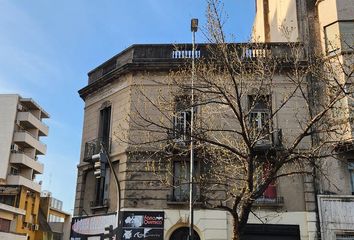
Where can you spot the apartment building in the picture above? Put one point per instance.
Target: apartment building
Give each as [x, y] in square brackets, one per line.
[20, 132]
[326, 28]
[55, 223]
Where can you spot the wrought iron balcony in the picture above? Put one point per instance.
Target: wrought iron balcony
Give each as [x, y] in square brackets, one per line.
[99, 204]
[94, 146]
[273, 141]
[264, 201]
[182, 197]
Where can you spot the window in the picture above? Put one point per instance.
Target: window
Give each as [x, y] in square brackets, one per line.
[182, 119]
[104, 137]
[54, 218]
[259, 116]
[14, 171]
[105, 125]
[8, 199]
[351, 172]
[181, 181]
[339, 36]
[5, 225]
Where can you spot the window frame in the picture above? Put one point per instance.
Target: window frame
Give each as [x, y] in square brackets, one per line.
[339, 39]
[185, 184]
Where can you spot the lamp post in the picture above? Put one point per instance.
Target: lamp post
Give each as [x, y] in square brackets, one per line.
[194, 29]
[103, 157]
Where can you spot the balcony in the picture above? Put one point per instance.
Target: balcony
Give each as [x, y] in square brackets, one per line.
[19, 180]
[94, 146]
[26, 139]
[96, 205]
[23, 160]
[28, 120]
[180, 197]
[274, 141]
[269, 202]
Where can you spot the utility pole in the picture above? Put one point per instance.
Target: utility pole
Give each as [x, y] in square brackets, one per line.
[194, 29]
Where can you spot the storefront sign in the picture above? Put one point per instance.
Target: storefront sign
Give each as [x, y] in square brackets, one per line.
[135, 226]
[84, 228]
[143, 225]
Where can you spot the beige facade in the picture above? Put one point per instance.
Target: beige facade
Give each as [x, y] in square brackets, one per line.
[142, 189]
[20, 131]
[325, 28]
[114, 85]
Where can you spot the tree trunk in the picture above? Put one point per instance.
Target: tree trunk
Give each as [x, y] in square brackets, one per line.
[236, 231]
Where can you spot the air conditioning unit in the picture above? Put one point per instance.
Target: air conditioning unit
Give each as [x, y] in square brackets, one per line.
[36, 227]
[19, 107]
[14, 148]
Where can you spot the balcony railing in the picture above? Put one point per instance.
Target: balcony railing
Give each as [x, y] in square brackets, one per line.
[264, 201]
[94, 146]
[273, 141]
[181, 196]
[153, 53]
[99, 204]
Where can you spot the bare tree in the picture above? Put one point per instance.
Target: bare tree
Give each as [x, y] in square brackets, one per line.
[258, 118]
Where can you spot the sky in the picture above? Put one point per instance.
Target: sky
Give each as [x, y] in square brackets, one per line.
[47, 48]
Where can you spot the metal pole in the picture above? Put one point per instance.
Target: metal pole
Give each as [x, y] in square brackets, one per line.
[117, 186]
[194, 25]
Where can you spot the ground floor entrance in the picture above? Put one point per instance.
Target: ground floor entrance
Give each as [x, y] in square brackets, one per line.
[271, 232]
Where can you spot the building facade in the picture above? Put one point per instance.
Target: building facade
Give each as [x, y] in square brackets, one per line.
[326, 28]
[293, 208]
[20, 131]
[110, 98]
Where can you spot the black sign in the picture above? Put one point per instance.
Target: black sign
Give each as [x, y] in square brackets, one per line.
[143, 225]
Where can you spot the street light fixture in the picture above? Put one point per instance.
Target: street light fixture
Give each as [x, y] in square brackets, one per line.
[194, 29]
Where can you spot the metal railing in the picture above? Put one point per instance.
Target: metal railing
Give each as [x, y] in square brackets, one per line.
[100, 204]
[269, 201]
[94, 146]
[272, 140]
[180, 195]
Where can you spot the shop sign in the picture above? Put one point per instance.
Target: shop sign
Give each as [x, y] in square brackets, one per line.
[83, 228]
[143, 225]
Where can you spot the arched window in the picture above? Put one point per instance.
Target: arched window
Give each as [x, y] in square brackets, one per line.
[182, 234]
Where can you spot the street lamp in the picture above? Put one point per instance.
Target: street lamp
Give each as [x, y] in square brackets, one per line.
[194, 29]
[102, 158]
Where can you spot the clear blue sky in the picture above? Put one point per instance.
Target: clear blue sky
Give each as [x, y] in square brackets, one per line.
[47, 48]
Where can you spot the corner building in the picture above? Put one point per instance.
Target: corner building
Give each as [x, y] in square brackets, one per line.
[109, 100]
[298, 207]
